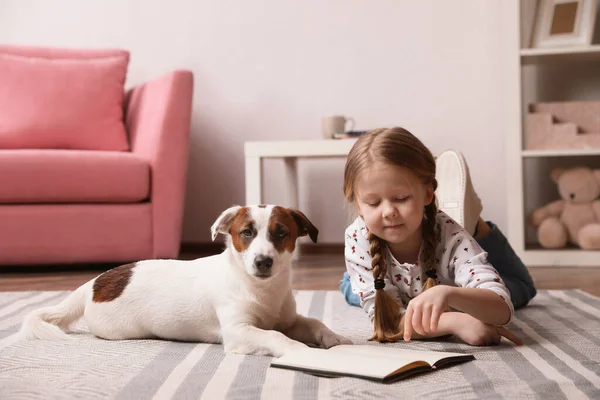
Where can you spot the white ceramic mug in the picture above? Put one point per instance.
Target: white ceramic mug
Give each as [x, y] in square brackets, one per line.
[336, 124]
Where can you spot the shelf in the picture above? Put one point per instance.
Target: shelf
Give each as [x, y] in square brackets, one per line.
[560, 153]
[538, 56]
[560, 258]
[299, 148]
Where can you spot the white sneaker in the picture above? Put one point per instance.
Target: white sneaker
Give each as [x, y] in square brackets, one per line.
[455, 193]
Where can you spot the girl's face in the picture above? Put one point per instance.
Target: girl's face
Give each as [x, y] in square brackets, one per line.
[392, 201]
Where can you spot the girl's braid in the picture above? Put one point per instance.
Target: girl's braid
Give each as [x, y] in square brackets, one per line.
[429, 242]
[386, 320]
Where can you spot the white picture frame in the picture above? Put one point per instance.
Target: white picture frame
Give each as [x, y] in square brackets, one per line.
[560, 23]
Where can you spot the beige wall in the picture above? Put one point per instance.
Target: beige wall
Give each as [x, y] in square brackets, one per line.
[269, 69]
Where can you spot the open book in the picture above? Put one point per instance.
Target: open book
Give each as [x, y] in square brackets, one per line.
[379, 363]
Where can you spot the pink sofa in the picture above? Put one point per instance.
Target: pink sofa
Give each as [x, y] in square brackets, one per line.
[94, 206]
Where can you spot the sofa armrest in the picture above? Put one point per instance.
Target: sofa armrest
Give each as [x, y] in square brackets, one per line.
[158, 119]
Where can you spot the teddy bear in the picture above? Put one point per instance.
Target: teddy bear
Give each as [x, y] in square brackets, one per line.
[574, 219]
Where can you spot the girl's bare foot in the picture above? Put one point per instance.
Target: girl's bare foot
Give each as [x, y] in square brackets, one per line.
[482, 229]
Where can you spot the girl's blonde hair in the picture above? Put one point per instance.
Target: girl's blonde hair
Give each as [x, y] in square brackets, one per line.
[399, 147]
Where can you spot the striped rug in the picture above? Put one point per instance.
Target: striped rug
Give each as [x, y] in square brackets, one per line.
[560, 360]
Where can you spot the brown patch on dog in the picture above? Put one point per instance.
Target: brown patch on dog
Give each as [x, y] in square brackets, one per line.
[305, 227]
[262, 206]
[111, 284]
[241, 222]
[283, 230]
[286, 225]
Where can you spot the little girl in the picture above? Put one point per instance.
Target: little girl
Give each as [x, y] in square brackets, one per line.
[401, 247]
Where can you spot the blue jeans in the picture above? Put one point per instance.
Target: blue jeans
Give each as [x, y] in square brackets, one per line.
[501, 256]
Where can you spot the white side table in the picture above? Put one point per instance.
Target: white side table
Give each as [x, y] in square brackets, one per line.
[290, 151]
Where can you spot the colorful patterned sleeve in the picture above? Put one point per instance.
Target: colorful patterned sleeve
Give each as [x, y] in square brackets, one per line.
[472, 268]
[358, 264]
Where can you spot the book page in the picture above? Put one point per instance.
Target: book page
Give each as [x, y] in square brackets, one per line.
[376, 366]
[402, 356]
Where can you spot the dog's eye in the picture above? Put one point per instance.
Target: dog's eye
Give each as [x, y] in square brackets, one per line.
[247, 232]
[280, 234]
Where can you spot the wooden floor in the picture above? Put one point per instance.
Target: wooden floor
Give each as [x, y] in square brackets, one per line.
[311, 271]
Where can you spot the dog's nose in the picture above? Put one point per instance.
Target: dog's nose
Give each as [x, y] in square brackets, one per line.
[263, 263]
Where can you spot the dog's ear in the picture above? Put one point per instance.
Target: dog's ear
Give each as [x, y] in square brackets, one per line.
[223, 223]
[305, 227]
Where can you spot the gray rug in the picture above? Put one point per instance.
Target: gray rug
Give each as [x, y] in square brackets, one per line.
[560, 360]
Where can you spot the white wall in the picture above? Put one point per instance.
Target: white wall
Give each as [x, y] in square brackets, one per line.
[269, 69]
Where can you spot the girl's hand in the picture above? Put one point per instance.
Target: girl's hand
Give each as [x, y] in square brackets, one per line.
[423, 312]
[477, 333]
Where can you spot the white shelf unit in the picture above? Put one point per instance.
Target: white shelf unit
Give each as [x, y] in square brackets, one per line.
[560, 153]
[530, 73]
[537, 56]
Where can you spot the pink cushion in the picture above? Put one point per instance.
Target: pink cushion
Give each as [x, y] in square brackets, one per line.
[62, 99]
[72, 176]
[75, 233]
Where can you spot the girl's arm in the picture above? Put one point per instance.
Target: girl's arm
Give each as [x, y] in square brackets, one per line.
[471, 330]
[480, 292]
[427, 313]
[485, 305]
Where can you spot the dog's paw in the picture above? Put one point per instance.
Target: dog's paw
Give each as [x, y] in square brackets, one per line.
[275, 349]
[295, 345]
[344, 340]
[292, 346]
[330, 339]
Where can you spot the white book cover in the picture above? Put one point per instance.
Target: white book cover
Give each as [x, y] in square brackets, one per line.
[380, 363]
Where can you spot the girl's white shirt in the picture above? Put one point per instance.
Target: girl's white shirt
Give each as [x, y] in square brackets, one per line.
[460, 262]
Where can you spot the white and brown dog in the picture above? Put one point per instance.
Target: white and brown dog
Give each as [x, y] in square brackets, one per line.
[241, 297]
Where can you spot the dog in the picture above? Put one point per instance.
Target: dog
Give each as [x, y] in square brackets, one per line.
[241, 298]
